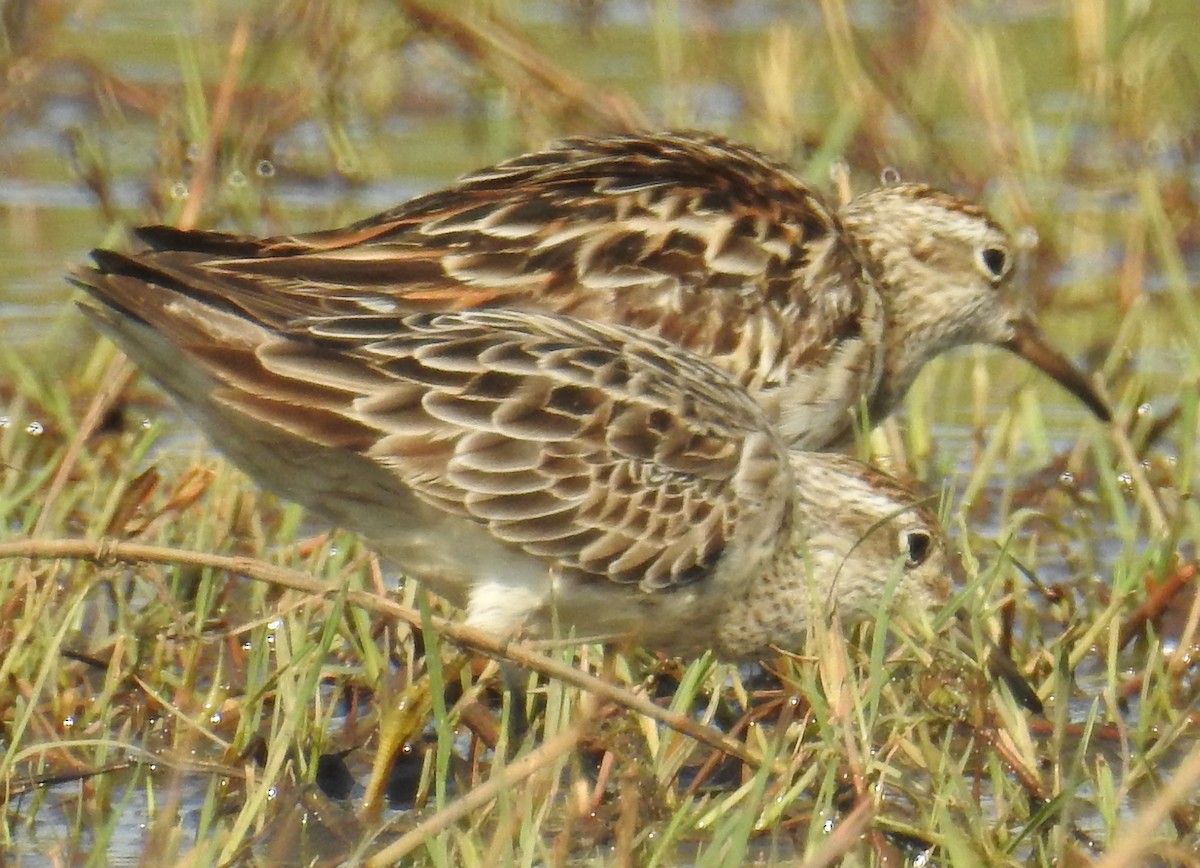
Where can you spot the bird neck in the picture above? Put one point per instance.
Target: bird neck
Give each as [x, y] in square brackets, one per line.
[906, 350]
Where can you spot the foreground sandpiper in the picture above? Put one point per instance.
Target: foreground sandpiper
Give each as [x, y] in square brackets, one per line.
[534, 468]
[817, 311]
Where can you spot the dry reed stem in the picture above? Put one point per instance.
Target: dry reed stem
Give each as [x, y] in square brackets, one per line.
[119, 372]
[108, 551]
[216, 126]
[495, 44]
[845, 836]
[112, 383]
[1136, 839]
[482, 795]
[1147, 496]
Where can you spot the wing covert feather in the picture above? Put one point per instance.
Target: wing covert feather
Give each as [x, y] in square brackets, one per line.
[700, 240]
[606, 452]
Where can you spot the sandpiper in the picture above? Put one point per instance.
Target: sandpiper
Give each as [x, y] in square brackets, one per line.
[818, 311]
[535, 468]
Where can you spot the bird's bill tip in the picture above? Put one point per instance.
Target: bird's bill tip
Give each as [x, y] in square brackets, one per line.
[1029, 343]
[998, 665]
[1003, 668]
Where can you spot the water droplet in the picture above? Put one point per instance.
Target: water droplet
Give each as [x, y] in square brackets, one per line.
[179, 191]
[1067, 479]
[146, 423]
[215, 717]
[827, 826]
[1125, 480]
[272, 793]
[68, 721]
[890, 175]
[35, 429]
[5, 421]
[236, 179]
[1156, 144]
[1027, 238]
[1144, 409]
[265, 169]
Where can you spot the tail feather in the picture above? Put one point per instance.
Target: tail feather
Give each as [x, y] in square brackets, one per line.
[209, 354]
[126, 281]
[173, 239]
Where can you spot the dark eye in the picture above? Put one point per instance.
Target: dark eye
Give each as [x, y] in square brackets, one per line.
[916, 544]
[994, 261]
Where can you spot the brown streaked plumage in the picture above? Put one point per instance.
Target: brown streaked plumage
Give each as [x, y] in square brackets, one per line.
[816, 310]
[535, 468]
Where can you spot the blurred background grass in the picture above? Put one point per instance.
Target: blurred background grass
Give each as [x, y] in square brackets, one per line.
[1077, 123]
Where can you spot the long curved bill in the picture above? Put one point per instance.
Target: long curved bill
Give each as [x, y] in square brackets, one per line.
[1029, 343]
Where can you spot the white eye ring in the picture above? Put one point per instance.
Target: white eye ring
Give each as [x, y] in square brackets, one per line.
[916, 546]
[994, 261]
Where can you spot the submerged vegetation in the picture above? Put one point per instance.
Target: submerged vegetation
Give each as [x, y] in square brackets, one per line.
[191, 671]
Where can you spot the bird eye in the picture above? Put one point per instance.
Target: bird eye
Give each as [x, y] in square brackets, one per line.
[916, 544]
[994, 261]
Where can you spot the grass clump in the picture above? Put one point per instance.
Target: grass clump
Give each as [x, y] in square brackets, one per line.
[191, 672]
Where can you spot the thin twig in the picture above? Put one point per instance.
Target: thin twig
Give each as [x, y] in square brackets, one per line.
[1155, 603]
[108, 551]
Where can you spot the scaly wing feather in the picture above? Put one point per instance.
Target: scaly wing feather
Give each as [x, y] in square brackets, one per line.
[603, 452]
[699, 240]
